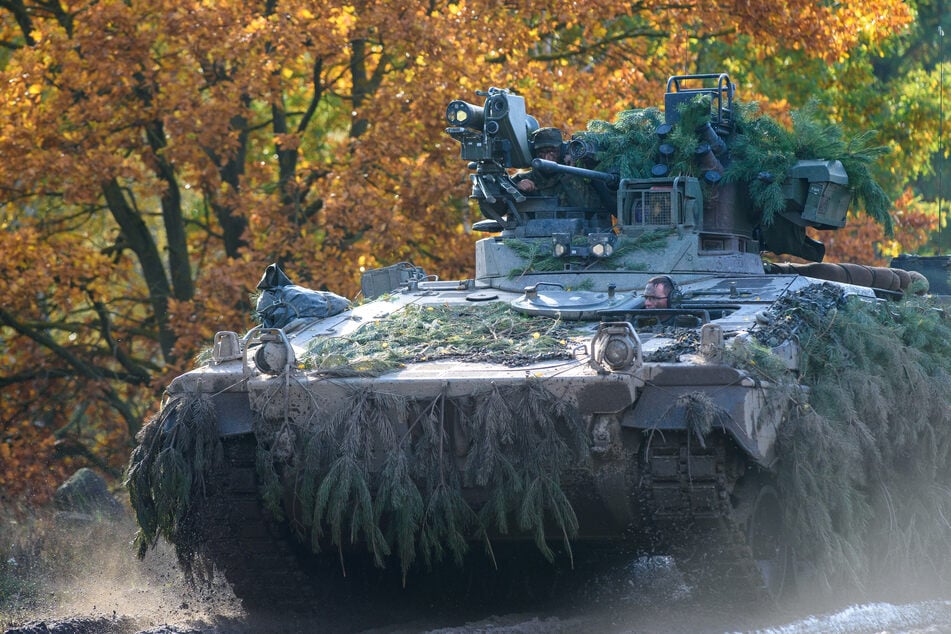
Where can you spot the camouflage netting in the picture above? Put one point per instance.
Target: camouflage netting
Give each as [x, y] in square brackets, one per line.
[176, 454]
[539, 256]
[384, 469]
[682, 341]
[630, 145]
[406, 501]
[864, 469]
[487, 332]
[865, 464]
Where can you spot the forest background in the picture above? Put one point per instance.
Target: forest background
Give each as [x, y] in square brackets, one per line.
[156, 156]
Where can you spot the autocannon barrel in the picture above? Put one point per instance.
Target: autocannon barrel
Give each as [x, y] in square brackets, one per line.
[551, 167]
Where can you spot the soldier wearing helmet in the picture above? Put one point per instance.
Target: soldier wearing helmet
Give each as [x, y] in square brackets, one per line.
[571, 191]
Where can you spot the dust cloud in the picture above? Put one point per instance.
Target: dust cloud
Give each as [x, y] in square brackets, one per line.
[72, 572]
[83, 576]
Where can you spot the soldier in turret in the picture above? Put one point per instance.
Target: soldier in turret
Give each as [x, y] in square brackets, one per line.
[660, 293]
[571, 191]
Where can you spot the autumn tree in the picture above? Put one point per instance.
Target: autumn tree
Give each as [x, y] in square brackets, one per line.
[156, 156]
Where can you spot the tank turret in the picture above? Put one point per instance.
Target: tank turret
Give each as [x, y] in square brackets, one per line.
[716, 210]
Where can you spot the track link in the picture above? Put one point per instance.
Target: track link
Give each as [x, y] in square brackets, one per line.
[689, 501]
[255, 553]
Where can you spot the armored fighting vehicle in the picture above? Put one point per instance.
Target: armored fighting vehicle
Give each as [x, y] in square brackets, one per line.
[540, 402]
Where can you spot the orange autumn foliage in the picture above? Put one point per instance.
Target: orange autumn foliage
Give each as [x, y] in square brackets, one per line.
[158, 155]
[864, 241]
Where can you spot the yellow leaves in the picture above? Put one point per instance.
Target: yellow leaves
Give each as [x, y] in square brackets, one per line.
[342, 20]
[827, 31]
[257, 25]
[599, 30]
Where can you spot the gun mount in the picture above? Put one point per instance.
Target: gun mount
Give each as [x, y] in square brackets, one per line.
[496, 132]
[718, 211]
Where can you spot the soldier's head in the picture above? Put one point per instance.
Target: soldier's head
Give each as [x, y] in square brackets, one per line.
[657, 292]
[546, 143]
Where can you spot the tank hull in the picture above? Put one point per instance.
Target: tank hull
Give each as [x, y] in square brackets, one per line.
[640, 459]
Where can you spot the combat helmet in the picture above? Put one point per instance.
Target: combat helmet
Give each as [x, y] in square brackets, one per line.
[546, 138]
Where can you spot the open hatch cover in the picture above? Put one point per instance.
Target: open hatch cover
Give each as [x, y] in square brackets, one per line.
[573, 305]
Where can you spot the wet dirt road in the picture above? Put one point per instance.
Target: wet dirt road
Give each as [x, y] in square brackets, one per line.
[118, 594]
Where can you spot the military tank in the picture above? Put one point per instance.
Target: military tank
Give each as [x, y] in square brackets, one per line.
[540, 404]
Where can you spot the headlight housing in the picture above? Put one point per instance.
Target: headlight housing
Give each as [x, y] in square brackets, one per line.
[601, 245]
[275, 354]
[615, 347]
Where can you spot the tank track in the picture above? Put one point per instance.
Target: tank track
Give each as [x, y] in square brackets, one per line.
[685, 491]
[255, 553]
[688, 493]
[272, 573]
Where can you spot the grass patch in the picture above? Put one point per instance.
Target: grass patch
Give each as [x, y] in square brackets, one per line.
[50, 561]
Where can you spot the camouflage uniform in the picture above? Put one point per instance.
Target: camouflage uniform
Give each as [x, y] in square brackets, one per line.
[571, 191]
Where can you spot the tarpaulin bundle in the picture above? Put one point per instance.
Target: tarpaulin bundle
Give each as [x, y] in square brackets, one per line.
[281, 301]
